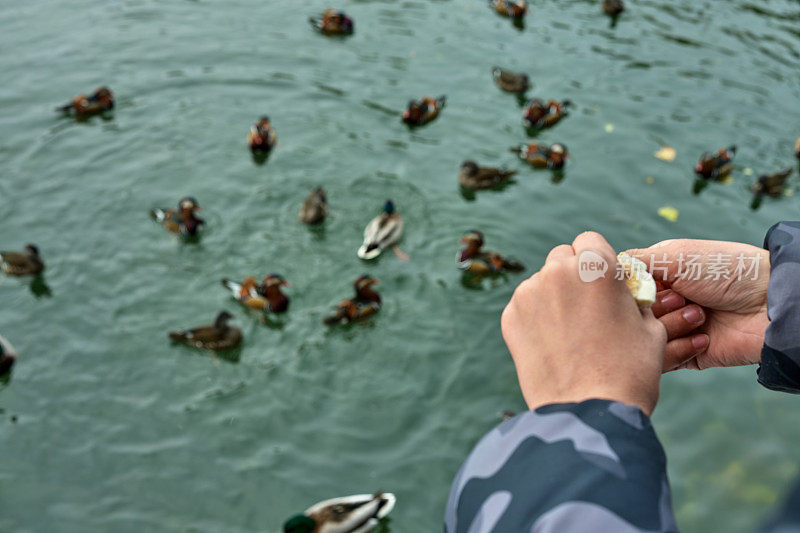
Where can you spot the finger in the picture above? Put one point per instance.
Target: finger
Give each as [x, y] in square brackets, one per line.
[667, 301]
[683, 321]
[593, 241]
[562, 251]
[683, 352]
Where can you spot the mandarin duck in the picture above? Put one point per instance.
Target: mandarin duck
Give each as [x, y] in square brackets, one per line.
[266, 297]
[510, 8]
[82, 106]
[420, 112]
[716, 166]
[181, 220]
[474, 259]
[540, 155]
[539, 115]
[333, 22]
[262, 137]
[8, 356]
[365, 303]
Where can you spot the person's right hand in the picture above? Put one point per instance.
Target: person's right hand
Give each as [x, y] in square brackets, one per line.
[735, 309]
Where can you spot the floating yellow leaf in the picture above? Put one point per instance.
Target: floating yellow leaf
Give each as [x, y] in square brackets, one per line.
[788, 192]
[666, 153]
[748, 171]
[668, 212]
[609, 128]
[650, 180]
[727, 180]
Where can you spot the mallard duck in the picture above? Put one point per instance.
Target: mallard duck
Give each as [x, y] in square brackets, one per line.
[266, 297]
[383, 231]
[422, 111]
[717, 166]
[315, 208]
[539, 115]
[613, 8]
[27, 263]
[797, 148]
[366, 302]
[510, 8]
[772, 185]
[351, 514]
[473, 176]
[542, 156]
[474, 259]
[511, 82]
[181, 220]
[262, 137]
[217, 336]
[333, 22]
[100, 101]
[8, 356]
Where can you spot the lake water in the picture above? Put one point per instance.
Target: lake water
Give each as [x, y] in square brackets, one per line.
[116, 430]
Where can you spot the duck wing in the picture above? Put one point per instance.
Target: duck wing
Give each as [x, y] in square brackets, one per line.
[20, 264]
[383, 231]
[351, 514]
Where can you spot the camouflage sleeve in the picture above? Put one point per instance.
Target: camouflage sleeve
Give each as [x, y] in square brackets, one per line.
[787, 518]
[566, 468]
[780, 356]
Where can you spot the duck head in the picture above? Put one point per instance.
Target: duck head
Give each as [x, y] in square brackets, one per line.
[470, 168]
[103, 94]
[388, 207]
[557, 154]
[299, 524]
[221, 322]
[472, 239]
[188, 203]
[364, 282]
[274, 280]
[32, 250]
[705, 165]
[413, 112]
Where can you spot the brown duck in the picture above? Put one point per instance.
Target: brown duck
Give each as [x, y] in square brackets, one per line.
[511, 82]
[474, 259]
[82, 106]
[315, 208]
[771, 185]
[216, 336]
[266, 297]
[27, 263]
[613, 8]
[262, 137]
[366, 302]
[539, 115]
[422, 111]
[473, 176]
[333, 22]
[510, 8]
[8, 356]
[182, 220]
[540, 155]
[716, 166]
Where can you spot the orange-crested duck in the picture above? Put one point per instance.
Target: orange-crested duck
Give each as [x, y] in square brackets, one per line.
[473, 176]
[366, 302]
[422, 111]
[333, 22]
[510, 8]
[27, 263]
[716, 166]
[512, 82]
[182, 220]
[351, 514]
[613, 8]
[474, 259]
[539, 115]
[262, 137]
[539, 155]
[315, 208]
[771, 185]
[8, 356]
[266, 297]
[82, 106]
[217, 336]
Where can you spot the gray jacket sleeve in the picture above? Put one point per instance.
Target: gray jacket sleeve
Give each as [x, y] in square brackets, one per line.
[592, 466]
[780, 356]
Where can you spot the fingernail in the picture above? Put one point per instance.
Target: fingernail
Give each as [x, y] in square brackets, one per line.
[671, 300]
[692, 315]
[700, 341]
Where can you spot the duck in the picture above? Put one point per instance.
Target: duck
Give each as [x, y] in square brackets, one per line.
[771, 185]
[82, 106]
[539, 115]
[420, 112]
[613, 8]
[382, 232]
[315, 208]
[217, 336]
[181, 220]
[540, 155]
[333, 22]
[8, 356]
[473, 176]
[365, 303]
[262, 137]
[26, 263]
[797, 148]
[474, 259]
[351, 514]
[510, 8]
[511, 82]
[266, 297]
[717, 166]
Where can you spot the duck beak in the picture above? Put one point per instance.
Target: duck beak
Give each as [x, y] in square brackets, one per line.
[375, 281]
[463, 240]
[286, 283]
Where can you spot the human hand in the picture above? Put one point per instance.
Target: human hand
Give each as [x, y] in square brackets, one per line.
[572, 340]
[735, 309]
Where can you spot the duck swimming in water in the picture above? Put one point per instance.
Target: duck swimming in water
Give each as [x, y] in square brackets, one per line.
[420, 112]
[539, 115]
[382, 232]
[181, 220]
[717, 166]
[540, 155]
[474, 259]
[473, 176]
[352, 514]
[510, 8]
[262, 137]
[8, 356]
[315, 208]
[511, 82]
[266, 297]
[82, 106]
[613, 8]
[27, 263]
[217, 336]
[771, 185]
[366, 302]
[333, 22]
[797, 148]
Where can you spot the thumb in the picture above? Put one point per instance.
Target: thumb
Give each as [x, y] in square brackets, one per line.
[664, 259]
